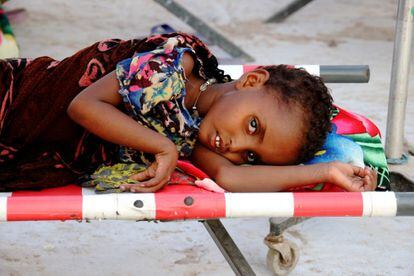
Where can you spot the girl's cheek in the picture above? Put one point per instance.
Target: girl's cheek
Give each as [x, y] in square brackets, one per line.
[235, 158]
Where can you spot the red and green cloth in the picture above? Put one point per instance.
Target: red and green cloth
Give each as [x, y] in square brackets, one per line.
[353, 139]
[8, 44]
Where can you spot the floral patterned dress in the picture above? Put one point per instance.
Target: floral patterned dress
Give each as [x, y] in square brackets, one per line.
[152, 85]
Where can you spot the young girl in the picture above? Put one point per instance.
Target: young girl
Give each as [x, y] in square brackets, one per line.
[158, 99]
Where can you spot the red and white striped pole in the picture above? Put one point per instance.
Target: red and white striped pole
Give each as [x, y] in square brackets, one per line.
[178, 202]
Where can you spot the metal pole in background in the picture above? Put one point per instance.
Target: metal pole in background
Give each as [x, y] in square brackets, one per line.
[281, 15]
[399, 83]
[211, 34]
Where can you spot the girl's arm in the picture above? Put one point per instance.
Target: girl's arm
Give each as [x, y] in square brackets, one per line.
[95, 109]
[262, 178]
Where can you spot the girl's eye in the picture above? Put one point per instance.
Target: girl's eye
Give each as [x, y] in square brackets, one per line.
[253, 126]
[251, 157]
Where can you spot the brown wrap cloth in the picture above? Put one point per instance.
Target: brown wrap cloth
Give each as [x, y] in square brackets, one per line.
[39, 144]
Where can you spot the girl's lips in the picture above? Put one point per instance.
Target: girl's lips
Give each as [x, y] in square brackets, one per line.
[213, 141]
[217, 143]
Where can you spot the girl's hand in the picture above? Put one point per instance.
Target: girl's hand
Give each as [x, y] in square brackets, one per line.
[351, 178]
[156, 175]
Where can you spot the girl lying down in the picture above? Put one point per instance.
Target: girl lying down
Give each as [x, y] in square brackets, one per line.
[154, 101]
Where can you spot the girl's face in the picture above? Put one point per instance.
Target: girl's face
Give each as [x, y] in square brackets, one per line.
[251, 125]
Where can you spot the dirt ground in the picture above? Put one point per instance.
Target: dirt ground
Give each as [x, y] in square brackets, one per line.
[323, 32]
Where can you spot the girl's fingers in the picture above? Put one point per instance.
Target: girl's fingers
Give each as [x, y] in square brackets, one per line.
[147, 189]
[153, 178]
[367, 183]
[145, 186]
[126, 187]
[351, 184]
[162, 174]
[141, 176]
[359, 184]
[371, 178]
[144, 175]
[375, 179]
[154, 181]
[137, 188]
[358, 171]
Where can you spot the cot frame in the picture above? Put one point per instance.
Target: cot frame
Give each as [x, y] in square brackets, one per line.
[187, 202]
[232, 254]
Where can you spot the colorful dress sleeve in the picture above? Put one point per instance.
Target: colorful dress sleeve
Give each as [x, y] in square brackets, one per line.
[152, 86]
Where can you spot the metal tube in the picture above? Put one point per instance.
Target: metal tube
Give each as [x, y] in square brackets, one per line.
[211, 34]
[328, 73]
[228, 248]
[399, 82]
[281, 15]
[204, 205]
[405, 204]
[344, 73]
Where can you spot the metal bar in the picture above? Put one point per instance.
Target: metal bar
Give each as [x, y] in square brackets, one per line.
[399, 82]
[204, 29]
[176, 206]
[405, 204]
[277, 227]
[345, 73]
[227, 247]
[287, 11]
[329, 73]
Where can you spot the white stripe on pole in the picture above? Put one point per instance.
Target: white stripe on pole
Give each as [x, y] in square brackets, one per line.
[88, 191]
[312, 69]
[259, 205]
[118, 206]
[379, 204]
[235, 71]
[3, 208]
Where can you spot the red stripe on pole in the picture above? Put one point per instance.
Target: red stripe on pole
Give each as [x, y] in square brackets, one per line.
[327, 204]
[64, 203]
[59, 191]
[188, 202]
[248, 68]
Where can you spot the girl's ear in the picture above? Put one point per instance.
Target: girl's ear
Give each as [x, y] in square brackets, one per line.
[255, 78]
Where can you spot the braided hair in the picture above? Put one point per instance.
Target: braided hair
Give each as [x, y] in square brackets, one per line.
[206, 64]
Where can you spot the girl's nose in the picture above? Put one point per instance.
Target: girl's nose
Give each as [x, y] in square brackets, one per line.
[240, 144]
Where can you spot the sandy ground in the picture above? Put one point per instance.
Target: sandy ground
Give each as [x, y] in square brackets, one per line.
[324, 32]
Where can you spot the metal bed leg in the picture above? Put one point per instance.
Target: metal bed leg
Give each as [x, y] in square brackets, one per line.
[228, 248]
[277, 227]
[288, 10]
